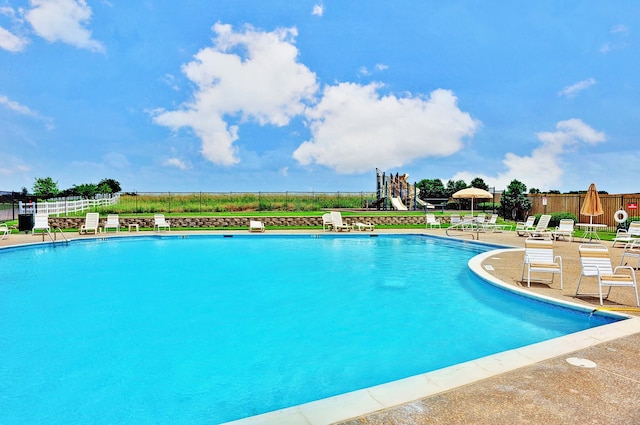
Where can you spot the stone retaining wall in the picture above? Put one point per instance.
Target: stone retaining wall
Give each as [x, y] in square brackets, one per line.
[221, 222]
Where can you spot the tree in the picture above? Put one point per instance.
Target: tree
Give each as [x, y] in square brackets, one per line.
[45, 188]
[479, 183]
[87, 190]
[455, 185]
[113, 185]
[431, 188]
[514, 201]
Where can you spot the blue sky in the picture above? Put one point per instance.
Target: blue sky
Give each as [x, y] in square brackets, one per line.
[266, 95]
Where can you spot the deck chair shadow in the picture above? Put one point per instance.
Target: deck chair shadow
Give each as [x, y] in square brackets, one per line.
[90, 224]
[159, 222]
[596, 262]
[113, 222]
[539, 258]
[564, 230]
[337, 224]
[41, 222]
[256, 226]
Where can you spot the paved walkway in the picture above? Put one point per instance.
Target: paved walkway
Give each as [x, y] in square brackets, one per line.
[549, 392]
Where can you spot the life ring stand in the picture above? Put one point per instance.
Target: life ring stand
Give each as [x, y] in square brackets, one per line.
[620, 216]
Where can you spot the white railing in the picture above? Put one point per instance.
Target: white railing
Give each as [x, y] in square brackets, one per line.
[65, 207]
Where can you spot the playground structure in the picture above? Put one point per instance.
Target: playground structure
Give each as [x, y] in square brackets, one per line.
[395, 191]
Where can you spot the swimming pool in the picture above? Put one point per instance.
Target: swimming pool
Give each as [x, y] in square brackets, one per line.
[210, 329]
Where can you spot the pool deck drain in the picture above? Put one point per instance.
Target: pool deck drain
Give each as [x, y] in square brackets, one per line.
[533, 384]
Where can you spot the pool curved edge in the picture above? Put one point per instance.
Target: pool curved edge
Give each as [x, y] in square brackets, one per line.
[380, 397]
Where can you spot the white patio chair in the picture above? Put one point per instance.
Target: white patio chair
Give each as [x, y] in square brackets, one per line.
[90, 224]
[525, 227]
[432, 221]
[4, 231]
[539, 258]
[631, 250]
[596, 262]
[358, 225]
[113, 222]
[159, 222]
[256, 226]
[337, 224]
[327, 224]
[564, 229]
[627, 235]
[41, 222]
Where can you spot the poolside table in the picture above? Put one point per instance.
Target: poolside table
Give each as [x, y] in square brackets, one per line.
[591, 230]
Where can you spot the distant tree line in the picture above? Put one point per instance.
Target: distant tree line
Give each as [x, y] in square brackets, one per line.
[47, 188]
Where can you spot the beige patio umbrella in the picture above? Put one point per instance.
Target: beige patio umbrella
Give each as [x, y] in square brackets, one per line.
[592, 206]
[472, 193]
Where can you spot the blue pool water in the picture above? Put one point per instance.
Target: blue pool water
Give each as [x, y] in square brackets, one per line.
[171, 330]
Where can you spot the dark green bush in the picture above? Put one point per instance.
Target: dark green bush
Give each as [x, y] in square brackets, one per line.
[556, 217]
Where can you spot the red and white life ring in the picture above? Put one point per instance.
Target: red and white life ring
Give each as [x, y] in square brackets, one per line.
[620, 216]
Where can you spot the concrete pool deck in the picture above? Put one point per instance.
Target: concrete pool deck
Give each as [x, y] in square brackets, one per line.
[535, 384]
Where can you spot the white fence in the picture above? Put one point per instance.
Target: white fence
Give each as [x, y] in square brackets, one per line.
[65, 207]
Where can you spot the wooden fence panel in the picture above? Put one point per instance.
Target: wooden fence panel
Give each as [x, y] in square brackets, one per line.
[571, 203]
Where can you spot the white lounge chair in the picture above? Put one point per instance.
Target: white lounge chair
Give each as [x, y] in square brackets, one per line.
[432, 221]
[631, 250]
[596, 262]
[627, 235]
[160, 223]
[41, 222]
[90, 224]
[564, 229]
[539, 258]
[492, 224]
[525, 227]
[337, 224]
[327, 224]
[113, 222]
[480, 222]
[4, 231]
[358, 225]
[256, 226]
[542, 225]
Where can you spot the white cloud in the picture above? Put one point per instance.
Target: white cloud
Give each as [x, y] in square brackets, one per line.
[116, 160]
[620, 29]
[355, 129]
[11, 42]
[63, 20]
[246, 76]
[16, 107]
[318, 10]
[543, 169]
[177, 163]
[620, 33]
[14, 172]
[574, 89]
[8, 40]
[25, 110]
